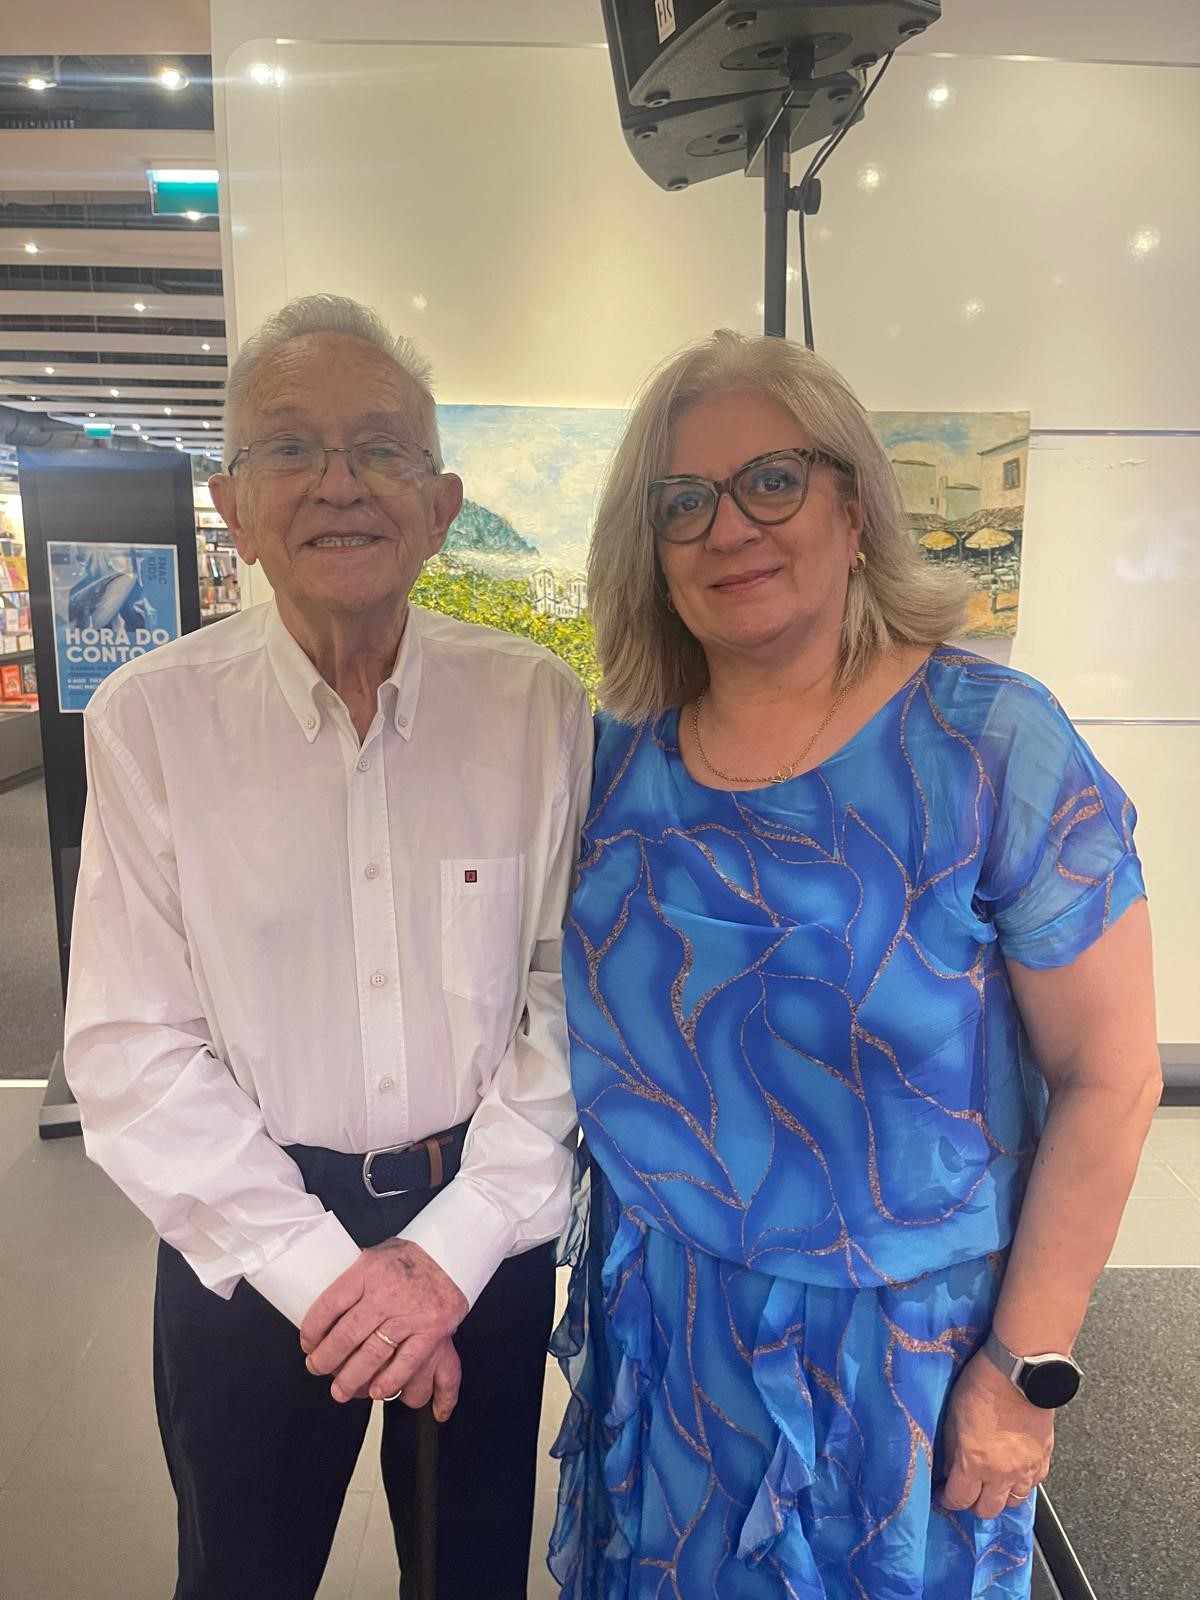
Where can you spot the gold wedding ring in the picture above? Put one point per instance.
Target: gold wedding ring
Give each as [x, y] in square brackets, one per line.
[379, 1334]
[396, 1396]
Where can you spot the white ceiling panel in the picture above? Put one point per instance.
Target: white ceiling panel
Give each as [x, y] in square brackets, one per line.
[111, 247]
[82, 303]
[50, 387]
[82, 27]
[31, 372]
[109, 409]
[134, 342]
[97, 158]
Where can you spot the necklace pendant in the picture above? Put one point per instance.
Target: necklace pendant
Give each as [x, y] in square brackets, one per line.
[782, 775]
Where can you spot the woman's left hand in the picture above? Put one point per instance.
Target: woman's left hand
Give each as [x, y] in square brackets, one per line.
[997, 1445]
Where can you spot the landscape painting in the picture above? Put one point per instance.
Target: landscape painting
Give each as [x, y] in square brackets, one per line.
[516, 557]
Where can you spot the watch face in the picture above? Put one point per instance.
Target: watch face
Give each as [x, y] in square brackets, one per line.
[1050, 1383]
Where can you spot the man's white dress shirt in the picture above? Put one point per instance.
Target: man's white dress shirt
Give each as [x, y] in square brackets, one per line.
[283, 937]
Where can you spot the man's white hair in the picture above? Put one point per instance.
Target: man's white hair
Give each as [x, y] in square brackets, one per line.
[328, 313]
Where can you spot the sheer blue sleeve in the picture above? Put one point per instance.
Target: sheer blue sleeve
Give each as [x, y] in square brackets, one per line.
[1061, 866]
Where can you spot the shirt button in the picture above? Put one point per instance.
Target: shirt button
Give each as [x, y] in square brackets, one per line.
[386, 1084]
[402, 722]
[371, 872]
[363, 764]
[310, 722]
[378, 979]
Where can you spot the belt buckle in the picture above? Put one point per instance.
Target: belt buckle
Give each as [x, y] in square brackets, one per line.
[390, 1150]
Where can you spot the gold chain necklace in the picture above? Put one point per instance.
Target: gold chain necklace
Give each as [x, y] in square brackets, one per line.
[784, 773]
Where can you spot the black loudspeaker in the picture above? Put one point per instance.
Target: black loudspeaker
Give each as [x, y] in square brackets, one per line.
[700, 85]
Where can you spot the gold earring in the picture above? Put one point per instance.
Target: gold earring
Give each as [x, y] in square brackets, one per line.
[670, 603]
[860, 562]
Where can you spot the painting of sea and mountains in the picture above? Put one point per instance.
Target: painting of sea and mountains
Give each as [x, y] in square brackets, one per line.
[516, 557]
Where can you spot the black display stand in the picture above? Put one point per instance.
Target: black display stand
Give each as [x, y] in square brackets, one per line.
[119, 497]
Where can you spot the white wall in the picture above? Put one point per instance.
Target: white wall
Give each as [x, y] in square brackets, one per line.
[484, 199]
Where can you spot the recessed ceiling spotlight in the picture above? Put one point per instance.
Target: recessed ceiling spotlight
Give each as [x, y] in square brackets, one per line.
[136, 426]
[91, 413]
[31, 249]
[139, 305]
[208, 424]
[940, 95]
[167, 410]
[50, 371]
[172, 78]
[206, 347]
[178, 436]
[38, 84]
[116, 393]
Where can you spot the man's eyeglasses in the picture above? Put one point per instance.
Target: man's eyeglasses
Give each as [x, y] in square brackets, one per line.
[383, 466]
[767, 490]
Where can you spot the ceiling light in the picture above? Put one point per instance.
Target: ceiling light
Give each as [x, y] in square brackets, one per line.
[267, 76]
[869, 178]
[1144, 241]
[167, 409]
[178, 436]
[208, 424]
[136, 426]
[50, 371]
[116, 393]
[973, 310]
[193, 216]
[206, 347]
[39, 84]
[172, 78]
[33, 397]
[91, 413]
[178, 446]
[31, 249]
[139, 305]
[419, 302]
[940, 95]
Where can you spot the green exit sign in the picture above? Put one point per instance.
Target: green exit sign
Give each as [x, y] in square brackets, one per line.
[183, 192]
[98, 430]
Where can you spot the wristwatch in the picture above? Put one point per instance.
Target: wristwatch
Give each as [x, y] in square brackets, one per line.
[1047, 1381]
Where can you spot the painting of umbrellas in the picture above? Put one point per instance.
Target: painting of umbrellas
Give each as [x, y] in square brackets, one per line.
[962, 477]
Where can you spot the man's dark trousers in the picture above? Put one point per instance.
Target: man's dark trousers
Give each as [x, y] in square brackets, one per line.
[261, 1456]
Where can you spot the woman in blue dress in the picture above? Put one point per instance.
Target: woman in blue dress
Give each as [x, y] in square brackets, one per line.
[861, 1015]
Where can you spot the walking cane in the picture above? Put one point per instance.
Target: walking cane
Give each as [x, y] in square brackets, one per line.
[426, 1497]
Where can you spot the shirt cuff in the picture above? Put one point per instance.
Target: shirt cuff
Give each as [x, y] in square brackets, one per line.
[465, 1234]
[293, 1280]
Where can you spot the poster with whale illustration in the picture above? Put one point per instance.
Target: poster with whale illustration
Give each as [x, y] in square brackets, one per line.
[112, 603]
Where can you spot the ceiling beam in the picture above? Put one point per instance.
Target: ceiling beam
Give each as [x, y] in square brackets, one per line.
[83, 303]
[132, 343]
[133, 28]
[98, 158]
[31, 374]
[108, 410]
[111, 247]
[51, 388]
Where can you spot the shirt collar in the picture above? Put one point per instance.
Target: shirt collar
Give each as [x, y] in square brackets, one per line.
[308, 695]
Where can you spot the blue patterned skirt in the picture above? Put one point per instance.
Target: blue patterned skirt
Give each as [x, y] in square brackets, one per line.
[754, 1437]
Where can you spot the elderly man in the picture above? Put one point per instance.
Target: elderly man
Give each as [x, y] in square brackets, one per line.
[315, 1025]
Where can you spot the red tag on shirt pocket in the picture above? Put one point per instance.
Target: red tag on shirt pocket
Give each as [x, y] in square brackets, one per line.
[471, 876]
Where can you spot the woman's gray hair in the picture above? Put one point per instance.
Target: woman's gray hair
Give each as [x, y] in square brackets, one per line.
[328, 313]
[649, 660]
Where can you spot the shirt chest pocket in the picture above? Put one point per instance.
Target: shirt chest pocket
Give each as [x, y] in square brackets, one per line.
[481, 928]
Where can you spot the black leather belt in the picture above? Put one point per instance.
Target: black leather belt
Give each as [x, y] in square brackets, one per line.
[400, 1169]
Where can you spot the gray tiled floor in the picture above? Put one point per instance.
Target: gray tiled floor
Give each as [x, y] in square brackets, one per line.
[85, 1506]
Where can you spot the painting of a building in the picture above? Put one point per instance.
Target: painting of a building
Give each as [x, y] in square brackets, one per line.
[1002, 472]
[962, 480]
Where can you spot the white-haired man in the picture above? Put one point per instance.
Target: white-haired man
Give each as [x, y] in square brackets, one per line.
[315, 1025]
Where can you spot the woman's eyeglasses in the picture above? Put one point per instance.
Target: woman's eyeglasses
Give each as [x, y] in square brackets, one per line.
[767, 490]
